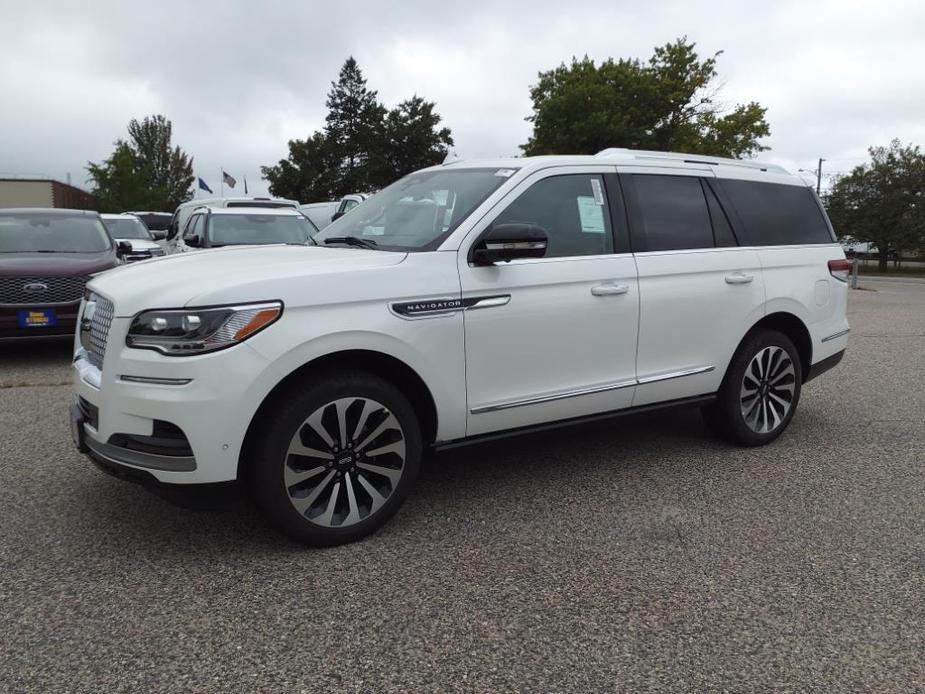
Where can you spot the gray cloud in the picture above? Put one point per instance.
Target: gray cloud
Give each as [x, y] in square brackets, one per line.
[240, 80]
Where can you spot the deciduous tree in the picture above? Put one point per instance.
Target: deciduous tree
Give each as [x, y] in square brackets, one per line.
[667, 103]
[882, 202]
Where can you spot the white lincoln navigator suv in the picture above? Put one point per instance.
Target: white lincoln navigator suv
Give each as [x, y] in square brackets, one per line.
[462, 302]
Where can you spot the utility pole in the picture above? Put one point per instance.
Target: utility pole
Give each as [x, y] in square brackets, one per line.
[819, 177]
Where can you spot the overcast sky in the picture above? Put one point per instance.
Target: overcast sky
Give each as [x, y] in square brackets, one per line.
[239, 79]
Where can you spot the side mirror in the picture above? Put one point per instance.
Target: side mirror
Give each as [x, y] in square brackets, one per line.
[193, 241]
[506, 242]
[159, 234]
[123, 248]
[336, 216]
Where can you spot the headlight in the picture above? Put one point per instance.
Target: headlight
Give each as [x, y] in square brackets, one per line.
[182, 332]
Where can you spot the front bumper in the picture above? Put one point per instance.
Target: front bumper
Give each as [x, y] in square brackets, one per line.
[205, 398]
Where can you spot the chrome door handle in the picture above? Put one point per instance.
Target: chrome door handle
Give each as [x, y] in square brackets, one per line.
[610, 289]
[738, 278]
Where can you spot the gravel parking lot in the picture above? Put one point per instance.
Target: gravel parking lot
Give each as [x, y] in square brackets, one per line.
[637, 555]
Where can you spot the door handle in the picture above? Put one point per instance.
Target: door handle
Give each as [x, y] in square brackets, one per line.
[610, 289]
[738, 278]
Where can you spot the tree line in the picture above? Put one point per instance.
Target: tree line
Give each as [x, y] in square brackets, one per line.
[667, 102]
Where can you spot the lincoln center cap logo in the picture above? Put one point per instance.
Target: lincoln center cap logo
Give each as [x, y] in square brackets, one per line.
[35, 287]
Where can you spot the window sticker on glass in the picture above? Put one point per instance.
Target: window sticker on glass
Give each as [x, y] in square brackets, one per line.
[505, 173]
[591, 214]
[598, 192]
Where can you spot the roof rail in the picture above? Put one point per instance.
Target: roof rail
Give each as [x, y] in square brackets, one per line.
[688, 158]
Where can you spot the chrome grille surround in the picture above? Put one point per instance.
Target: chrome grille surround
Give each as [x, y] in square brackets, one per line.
[32, 291]
[99, 324]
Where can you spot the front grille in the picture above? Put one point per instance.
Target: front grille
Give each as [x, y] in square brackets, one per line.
[99, 331]
[29, 291]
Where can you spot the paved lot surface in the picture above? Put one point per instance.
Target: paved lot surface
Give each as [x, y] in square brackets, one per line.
[634, 556]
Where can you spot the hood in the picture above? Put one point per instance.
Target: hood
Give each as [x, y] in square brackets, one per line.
[234, 274]
[140, 244]
[55, 264]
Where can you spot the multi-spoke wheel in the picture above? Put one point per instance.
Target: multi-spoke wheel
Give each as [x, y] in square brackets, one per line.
[338, 460]
[767, 390]
[344, 462]
[760, 391]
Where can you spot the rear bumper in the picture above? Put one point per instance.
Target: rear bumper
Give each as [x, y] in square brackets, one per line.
[820, 367]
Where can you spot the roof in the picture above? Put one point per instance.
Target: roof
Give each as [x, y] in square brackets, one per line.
[49, 211]
[208, 202]
[119, 215]
[240, 211]
[621, 156]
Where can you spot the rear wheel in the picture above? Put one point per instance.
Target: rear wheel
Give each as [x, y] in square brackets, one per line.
[760, 392]
[337, 459]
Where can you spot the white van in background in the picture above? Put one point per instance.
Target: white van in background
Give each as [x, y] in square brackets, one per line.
[185, 209]
[320, 213]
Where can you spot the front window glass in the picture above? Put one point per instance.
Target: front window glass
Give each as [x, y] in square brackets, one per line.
[419, 211]
[34, 232]
[243, 229]
[572, 209]
[127, 228]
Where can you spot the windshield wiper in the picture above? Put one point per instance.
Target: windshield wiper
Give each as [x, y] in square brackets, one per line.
[352, 241]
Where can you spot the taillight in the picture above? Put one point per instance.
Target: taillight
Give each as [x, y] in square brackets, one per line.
[839, 269]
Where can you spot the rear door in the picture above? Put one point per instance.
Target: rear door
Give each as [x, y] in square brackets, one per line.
[699, 290]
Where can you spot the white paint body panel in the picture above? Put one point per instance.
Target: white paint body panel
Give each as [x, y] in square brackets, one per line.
[551, 338]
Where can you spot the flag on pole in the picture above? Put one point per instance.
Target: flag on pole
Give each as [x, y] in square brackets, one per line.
[204, 186]
[228, 179]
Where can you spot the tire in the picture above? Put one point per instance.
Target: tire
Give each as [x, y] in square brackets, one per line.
[322, 488]
[760, 392]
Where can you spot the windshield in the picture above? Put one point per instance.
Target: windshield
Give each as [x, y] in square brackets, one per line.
[155, 221]
[127, 228]
[35, 232]
[243, 229]
[419, 211]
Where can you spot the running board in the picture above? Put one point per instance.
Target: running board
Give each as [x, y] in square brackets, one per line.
[558, 424]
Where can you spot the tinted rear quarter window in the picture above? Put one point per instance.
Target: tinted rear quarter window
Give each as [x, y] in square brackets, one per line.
[775, 214]
[672, 212]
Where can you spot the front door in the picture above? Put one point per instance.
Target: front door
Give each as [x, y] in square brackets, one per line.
[555, 337]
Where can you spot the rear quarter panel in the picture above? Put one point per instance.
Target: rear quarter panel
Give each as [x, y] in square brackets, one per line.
[798, 281]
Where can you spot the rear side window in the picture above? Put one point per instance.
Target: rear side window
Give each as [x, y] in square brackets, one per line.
[775, 214]
[672, 212]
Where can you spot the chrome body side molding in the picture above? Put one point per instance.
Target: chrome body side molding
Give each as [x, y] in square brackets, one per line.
[591, 390]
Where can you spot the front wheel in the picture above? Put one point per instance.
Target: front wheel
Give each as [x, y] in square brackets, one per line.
[337, 459]
[760, 392]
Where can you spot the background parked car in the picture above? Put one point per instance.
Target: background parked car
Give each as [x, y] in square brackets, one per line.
[46, 258]
[320, 212]
[183, 212]
[347, 203]
[157, 223]
[128, 227]
[215, 227]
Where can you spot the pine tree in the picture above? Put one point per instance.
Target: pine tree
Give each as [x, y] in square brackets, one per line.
[354, 130]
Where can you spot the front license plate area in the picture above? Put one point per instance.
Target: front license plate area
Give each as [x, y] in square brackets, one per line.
[37, 318]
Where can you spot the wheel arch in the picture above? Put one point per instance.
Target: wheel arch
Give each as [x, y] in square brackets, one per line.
[380, 364]
[795, 329]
